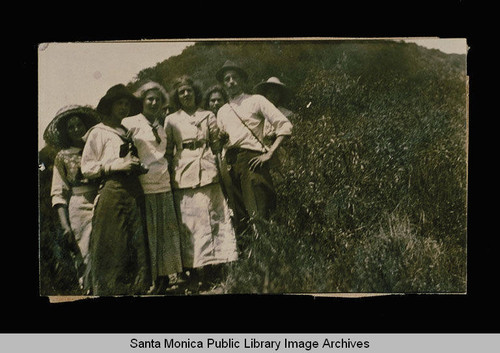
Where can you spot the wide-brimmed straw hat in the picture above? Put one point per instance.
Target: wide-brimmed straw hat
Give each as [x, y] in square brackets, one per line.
[55, 133]
[117, 92]
[273, 82]
[229, 65]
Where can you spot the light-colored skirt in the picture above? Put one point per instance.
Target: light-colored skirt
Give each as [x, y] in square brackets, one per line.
[80, 210]
[163, 234]
[207, 234]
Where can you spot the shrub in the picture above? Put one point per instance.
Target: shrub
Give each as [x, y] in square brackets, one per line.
[397, 259]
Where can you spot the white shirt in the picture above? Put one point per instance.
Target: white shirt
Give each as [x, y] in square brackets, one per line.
[254, 110]
[102, 148]
[151, 153]
[193, 168]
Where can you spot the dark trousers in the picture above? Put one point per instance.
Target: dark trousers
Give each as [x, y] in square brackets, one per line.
[252, 193]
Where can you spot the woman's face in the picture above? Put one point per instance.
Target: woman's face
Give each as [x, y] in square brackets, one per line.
[152, 103]
[76, 128]
[186, 96]
[120, 109]
[215, 101]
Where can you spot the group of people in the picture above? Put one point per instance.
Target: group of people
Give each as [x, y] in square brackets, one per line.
[146, 193]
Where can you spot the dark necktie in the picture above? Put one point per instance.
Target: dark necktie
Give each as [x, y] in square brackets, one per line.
[155, 132]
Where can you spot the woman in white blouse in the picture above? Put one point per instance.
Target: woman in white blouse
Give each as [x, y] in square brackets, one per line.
[151, 141]
[207, 235]
[118, 239]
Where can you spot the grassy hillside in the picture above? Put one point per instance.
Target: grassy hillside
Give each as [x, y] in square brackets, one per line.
[372, 196]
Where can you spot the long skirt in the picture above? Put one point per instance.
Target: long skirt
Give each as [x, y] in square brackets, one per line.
[207, 235]
[80, 210]
[163, 234]
[118, 244]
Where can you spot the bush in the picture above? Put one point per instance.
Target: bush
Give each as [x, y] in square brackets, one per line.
[397, 259]
[372, 194]
[372, 197]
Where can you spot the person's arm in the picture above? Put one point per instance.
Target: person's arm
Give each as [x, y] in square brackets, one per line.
[223, 134]
[63, 214]
[281, 125]
[60, 193]
[261, 159]
[169, 151]
[214, 135]
[95, 164]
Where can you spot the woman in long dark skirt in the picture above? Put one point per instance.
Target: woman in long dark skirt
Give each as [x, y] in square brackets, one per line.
[118, 240]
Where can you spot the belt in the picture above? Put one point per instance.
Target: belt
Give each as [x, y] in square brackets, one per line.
[80, 190]
[233, 152]
[193, 145]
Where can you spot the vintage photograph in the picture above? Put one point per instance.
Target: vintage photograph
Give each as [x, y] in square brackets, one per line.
[319, 166]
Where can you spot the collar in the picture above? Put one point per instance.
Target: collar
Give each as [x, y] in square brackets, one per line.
[155, 123]
[102, 126]
[238, 98]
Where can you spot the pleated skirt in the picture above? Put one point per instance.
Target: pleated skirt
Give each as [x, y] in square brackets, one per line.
[163, 234]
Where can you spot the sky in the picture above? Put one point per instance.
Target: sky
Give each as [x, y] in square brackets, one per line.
[82, 72]
[446, 45]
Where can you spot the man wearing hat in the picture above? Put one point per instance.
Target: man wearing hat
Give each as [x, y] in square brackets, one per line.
[242, 120]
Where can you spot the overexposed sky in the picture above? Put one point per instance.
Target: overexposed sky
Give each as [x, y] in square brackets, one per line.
[82, 72]
[446, 45]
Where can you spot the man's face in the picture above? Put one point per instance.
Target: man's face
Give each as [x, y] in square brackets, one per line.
[232, 82]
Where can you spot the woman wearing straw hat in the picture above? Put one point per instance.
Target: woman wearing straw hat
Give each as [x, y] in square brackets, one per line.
[207, 235]
[146, 129]
[72, 194]
[118, 240]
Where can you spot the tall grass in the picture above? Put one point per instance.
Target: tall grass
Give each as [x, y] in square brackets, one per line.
[372, 196]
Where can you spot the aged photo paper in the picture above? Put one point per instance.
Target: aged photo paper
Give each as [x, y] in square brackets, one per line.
[368, 195]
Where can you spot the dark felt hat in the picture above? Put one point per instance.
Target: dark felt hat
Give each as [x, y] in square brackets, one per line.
[229, 65]
[55, 132]
[117, 92]
[273, 82]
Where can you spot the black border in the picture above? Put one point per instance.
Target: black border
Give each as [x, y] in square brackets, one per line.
[26, 312]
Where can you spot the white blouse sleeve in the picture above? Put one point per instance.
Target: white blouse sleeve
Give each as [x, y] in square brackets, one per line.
[169, 150]
[60, 190]
[220, 124]
[92, 166]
